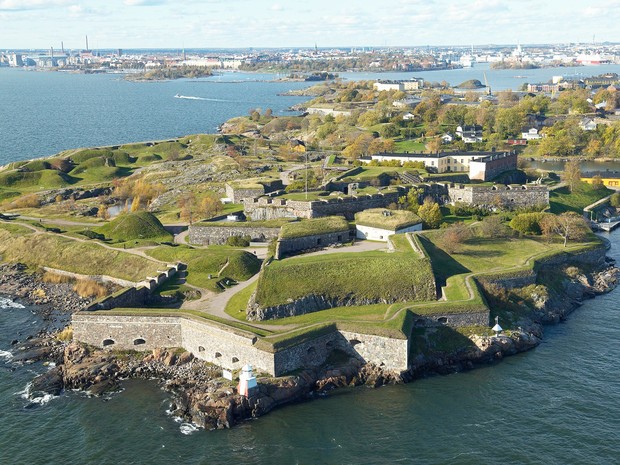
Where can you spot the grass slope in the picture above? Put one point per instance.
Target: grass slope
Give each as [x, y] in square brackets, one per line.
[562, 200]
[133, 226]
[77, 257]
[370, 277]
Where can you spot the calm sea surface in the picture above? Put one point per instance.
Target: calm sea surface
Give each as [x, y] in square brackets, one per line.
[557, 404]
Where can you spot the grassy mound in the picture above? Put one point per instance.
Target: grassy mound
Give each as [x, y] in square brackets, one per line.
[219, 262]
[44, 178]
[134, 226]
[86, 154]
[371, 277]
[36, 165]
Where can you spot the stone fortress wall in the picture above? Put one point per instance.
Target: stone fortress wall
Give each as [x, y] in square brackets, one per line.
[511, 196]
[231, 349]
[295, 245]
[265, 208]
[203, 234]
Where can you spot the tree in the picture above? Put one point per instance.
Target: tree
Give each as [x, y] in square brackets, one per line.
[187, 204]
[210, 205]
[492, 227]
[527, 223]
[572, 174]
[430, 213]
[569, 226]
[454, 236]
[136, 203]
[597, 182]
[103, 212]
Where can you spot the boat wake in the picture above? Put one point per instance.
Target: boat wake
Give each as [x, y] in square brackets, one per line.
[190, 97]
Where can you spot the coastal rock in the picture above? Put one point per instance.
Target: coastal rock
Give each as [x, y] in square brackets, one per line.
[50, 382]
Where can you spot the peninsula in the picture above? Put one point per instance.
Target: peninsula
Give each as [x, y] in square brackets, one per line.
[352, 244]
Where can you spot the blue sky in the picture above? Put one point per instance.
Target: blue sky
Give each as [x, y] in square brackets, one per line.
[288, 23]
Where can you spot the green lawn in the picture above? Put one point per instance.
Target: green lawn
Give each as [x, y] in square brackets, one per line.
[409, 145]
[376, 276]
[584, 194]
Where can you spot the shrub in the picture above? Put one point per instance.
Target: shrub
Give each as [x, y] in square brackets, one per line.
[92, 234]
[527, 223]
[238, 241]
[614, 200]
[26, 201]
[66, 335]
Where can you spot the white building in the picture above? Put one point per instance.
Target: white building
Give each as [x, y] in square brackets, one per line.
[377, 224]
[531, 134]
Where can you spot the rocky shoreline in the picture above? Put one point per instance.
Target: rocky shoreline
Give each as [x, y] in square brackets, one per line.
[200, 396]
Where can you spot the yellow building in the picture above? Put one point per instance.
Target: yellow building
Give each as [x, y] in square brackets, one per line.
[609, 181]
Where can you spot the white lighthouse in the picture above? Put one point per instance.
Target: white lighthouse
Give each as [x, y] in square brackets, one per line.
[247, 381]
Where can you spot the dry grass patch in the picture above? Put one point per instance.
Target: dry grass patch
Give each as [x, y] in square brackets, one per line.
[90, 288]
[54, 278]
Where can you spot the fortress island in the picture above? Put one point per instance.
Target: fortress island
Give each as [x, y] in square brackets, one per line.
[260, 265]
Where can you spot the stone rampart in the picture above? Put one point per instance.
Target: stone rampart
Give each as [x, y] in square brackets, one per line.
[295, 245]
[454, 320]
[511, 196]
[228, 349]
[391, 354]
[127, 332]
[138, 294]
[272, 208]
[237, 194]
[206, 235]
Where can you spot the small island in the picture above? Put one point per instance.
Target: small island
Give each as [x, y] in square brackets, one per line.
[348, 245]
[170, 73]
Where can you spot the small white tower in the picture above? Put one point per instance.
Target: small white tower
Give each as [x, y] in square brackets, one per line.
[497, 328]
[247, 381]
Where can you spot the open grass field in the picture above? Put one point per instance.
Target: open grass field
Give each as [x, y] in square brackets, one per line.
[409, 145]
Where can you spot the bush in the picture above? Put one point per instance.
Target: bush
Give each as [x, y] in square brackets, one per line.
[92, 234]
[26, 201]
[614, 200]
[238, 241]
[527, 223]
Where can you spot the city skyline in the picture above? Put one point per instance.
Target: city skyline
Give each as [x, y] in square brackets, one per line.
[42, 24]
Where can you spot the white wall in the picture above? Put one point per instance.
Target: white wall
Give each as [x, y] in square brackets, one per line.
[378, 234]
